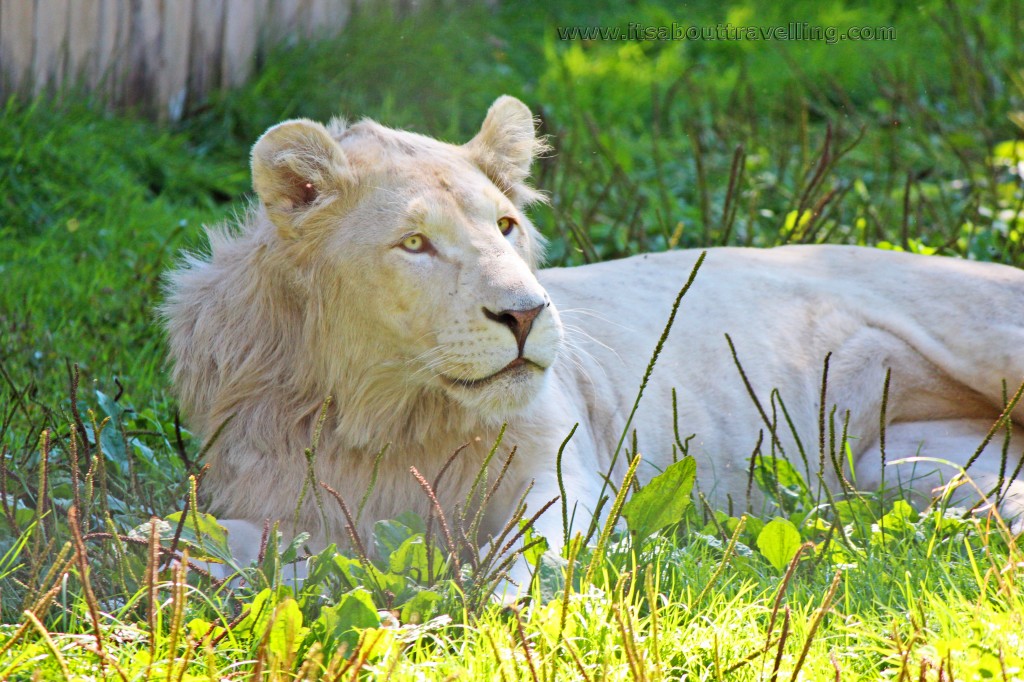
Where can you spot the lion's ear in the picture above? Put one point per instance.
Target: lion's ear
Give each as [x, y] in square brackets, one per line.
[506, 146]
[296, 167]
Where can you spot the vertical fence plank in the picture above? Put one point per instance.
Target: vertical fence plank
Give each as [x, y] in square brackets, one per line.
[17, 29]
[337, 17]
[112, 50]
[316, 18]
[241, 35]
[302, 17]
[50, 53]
[83, 29]
[284, 19]
[172, 86]
[261, 15]
[144, 53]
[207, 43]
[327, 17]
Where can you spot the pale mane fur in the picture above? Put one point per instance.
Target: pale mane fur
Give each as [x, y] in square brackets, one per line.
[397, 276]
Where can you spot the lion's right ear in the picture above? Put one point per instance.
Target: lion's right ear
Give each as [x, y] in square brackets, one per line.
[296, 168]
[506, 146]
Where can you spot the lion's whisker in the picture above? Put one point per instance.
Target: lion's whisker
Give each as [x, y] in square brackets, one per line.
[576, 354]
[592, 313]
[577, 330]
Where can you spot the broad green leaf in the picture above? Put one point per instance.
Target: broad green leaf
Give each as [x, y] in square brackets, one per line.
[112, 440]
[720, 520]
[901, 516]
[109, 406]
[753, 528]
[200, 628]
[206, 538]
[389, 536]
[351, 569]
[338, 623]
[778, 541]
[411, 559]
[947, 521]
[551, 575]
[384, 581]
[322, 567]
[287, 632]
[24, 516]
[780, 481]
[291, 552]
[260, 608]
[368, 575]
[377, 643]
[895, 525]
[145, 453]
[412, 521]
[855, 510]
[662, 501]
[533, 554]
[421, 607]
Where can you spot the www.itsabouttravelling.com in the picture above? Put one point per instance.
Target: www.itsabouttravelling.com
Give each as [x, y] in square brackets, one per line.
[793, 31]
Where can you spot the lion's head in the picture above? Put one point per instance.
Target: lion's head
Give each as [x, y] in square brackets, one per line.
[396, 271]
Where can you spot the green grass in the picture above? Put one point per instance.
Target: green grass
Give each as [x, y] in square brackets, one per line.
[649, 138]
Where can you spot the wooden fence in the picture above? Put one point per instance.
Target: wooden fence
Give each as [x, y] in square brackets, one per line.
[161, 56]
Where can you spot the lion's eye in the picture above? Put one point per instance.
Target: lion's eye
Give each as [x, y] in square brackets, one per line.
[415, 243]
[506, 225]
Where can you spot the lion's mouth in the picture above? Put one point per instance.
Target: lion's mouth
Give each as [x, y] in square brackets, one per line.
[518, 366]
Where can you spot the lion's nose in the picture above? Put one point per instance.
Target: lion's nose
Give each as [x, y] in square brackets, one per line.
[519, 321]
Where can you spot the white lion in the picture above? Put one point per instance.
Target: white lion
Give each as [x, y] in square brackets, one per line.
[399, 275]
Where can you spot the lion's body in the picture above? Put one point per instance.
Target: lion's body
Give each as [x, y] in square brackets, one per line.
[373, 273]
[932, 321]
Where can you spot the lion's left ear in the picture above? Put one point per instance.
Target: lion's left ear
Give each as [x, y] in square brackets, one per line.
[506, 146]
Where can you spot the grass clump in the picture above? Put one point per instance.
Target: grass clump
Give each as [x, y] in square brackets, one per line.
[906, 145]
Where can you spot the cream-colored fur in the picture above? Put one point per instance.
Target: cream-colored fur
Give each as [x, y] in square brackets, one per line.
[327, 288]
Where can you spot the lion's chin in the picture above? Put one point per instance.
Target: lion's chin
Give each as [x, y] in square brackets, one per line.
[502, 394]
